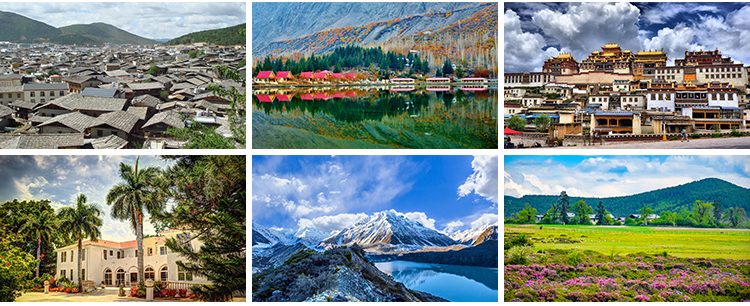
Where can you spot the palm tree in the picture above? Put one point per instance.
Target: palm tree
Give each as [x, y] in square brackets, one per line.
[130, 197]
[80, 222]
[41, 225]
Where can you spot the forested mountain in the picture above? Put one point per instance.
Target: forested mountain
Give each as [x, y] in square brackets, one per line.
[224, 37]
[99, 33]
[17, 28]
[670, 198]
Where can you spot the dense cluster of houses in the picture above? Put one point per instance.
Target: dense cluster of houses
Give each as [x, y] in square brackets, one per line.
[322, 77]
[592, 217]
[54, 96]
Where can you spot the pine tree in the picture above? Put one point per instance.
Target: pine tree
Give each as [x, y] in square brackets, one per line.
[564, 203]
[718, 211]
[211, 203]
[600, 214]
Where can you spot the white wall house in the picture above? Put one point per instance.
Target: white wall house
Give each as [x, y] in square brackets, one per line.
[113, 262]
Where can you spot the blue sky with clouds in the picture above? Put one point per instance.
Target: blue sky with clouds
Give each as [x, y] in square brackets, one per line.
[606, 176]
[61, 178]
[154, 20]
[535, 31]
[333, 192]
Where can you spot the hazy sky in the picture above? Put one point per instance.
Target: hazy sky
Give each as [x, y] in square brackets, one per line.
[535, 31]
[147, 19]
[333, 192]
[608, 176]
[61, 179]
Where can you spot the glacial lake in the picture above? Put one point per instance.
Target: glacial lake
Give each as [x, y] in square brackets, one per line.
[375, 117]
[454, 283]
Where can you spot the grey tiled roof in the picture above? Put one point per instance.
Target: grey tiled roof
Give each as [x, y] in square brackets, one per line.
[99, 92]
[107, 142]
[24, 104]
[120, 120]
[12, 88]
[168, 117]
[166, 105]
[77, 102]
[50, 86]
[182, 86]
[139, 111]
[75, 120]
[78, 79]
[147, 100]
[145, 86]
[116, 73]
[5, 111]
[41, 141]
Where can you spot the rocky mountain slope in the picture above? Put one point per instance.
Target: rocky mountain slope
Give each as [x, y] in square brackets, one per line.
[279, 21]
[340, 274]
[386, 230]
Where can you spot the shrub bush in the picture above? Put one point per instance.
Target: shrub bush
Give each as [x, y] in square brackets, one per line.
[736, 133]
[574, 257]
[695, 136]
[519, 255]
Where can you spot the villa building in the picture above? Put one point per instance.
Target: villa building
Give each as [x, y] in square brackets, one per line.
[112, 263]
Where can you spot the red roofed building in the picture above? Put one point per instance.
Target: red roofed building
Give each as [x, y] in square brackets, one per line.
[265, 98]
[264, 77]
[112, 262]
[338, 75]
[307, 75]
[282, 76]
[350, 76]
[321, 75]
[284, 98]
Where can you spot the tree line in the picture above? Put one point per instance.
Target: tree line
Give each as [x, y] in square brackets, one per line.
[209, 192]
[703, 214]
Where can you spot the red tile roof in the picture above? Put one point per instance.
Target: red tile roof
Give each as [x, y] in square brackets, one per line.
[350, 75]
[265, 75]
[338, 75]
[321, 75]
[321, 96]
[308, 75]
[284, 74]
[264, 98]
[337, 95]
[285, 98]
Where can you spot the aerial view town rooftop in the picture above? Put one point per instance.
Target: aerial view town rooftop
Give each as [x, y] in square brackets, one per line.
[98, 86]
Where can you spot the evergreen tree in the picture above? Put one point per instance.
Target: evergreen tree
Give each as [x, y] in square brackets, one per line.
[211, 203]
[447, 67]
[718, 211]
[564, 203]
[600, 214]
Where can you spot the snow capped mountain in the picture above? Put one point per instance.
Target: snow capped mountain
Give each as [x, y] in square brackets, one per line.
[264, 235]
[389, 228]
[310, 236]
[470, 236]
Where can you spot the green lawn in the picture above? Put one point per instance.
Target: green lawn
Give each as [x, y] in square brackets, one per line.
[681, 242]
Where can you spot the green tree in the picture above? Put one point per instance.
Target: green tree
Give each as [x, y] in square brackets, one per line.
[447, 67]
[527, 214]
[564, 203]
[718, 211]
[542, 123]
[601, 214]
[702, 211]
[192, 53]
[152, 70]
[164, 95]
[516, 123]
[133, 196]
[582, 211]
[41, 225]
[210, 192]
[459, 72]
[735, 215]
[15, 266]
[645, 212]
[81, 222]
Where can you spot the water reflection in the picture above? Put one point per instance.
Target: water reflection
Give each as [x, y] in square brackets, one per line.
[455, 283]
[467, 117]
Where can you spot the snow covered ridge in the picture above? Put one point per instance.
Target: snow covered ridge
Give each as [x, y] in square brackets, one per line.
[389, 228]
[470, 236]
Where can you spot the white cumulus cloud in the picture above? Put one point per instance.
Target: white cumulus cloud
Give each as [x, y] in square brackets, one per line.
[484, 179]
[332, 223]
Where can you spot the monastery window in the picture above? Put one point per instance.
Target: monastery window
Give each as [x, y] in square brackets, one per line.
[62, 93]
[149, 273]
[33, 101]
[41, 94]
[32, 93]
[18, 96]
[163, 273]
[51, 93]
[184, 275]
[108, 277]
[42, 100]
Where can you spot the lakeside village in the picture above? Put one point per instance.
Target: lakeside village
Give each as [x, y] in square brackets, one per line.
[618, 95]
[112, 96]
[412, 74]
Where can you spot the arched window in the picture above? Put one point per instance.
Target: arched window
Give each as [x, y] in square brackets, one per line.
[120, 276]
[163, 273]
[149, 273]
[108, 277]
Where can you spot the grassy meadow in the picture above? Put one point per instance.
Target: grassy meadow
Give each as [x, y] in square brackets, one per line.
[678, 242]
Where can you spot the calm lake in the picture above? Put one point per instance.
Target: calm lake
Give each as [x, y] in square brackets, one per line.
[454, 283]
[375, 117]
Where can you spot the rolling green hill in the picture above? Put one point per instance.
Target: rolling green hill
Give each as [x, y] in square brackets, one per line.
[17, 28]
[670, 198]
[105, 33]
[224, 37]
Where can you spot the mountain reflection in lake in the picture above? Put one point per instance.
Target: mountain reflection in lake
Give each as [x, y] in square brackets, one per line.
[375, 117]
[455, 283]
